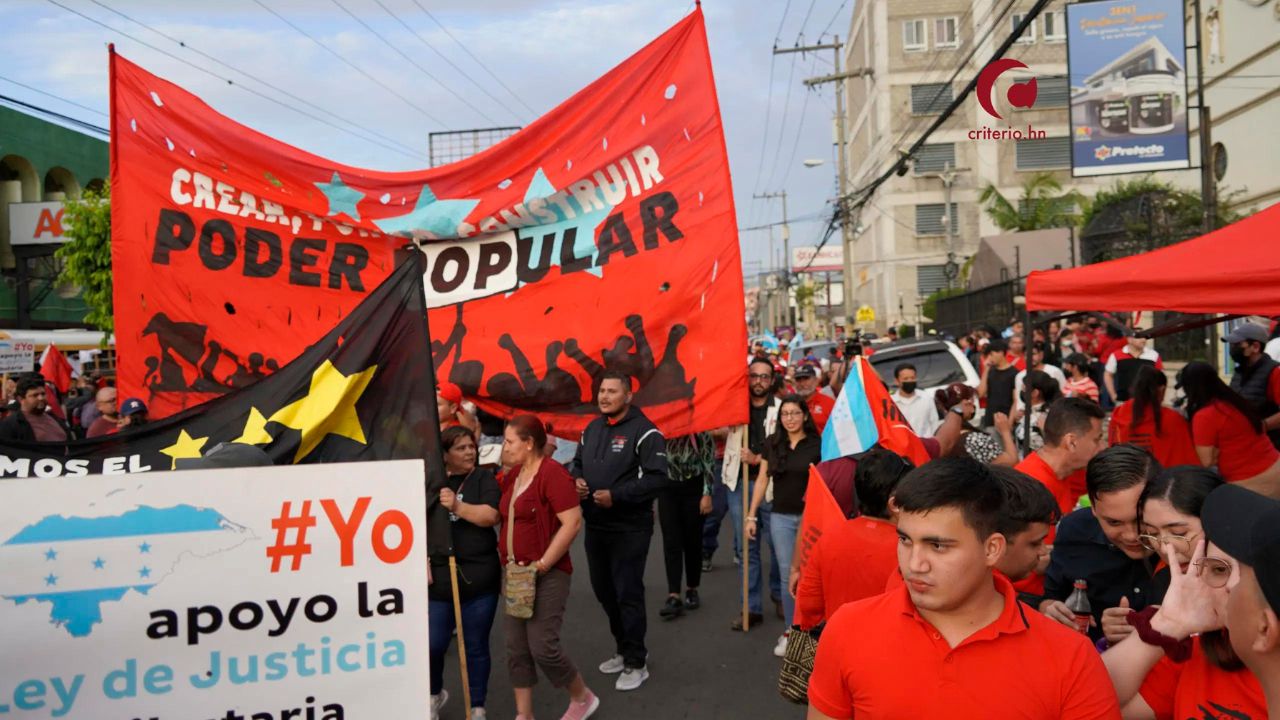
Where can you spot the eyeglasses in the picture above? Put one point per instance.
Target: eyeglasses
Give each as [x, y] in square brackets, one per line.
[791, 414]
[760, 376]
[1180, 543]
[1215, 572]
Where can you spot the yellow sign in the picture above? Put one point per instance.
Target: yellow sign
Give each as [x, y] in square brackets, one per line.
[866, 315]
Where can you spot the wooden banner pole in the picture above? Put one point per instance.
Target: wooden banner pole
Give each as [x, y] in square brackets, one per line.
[746, 555]
[462, 639]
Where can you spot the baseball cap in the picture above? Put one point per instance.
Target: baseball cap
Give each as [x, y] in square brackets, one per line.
[132, 406]
[806, 371]
[1247, 526]
[1248, 331]
[450, 392]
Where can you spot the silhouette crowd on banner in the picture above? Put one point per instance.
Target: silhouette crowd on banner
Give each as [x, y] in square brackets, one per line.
[184, 344]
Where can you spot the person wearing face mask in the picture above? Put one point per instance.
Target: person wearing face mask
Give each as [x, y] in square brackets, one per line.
[918, 410]
[1180, 660]
[471, 496]
[1257, 376]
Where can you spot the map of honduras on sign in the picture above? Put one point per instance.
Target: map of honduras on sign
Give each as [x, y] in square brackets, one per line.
[75, 564]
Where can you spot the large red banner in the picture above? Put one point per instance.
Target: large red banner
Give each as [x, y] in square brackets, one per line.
[601, 236]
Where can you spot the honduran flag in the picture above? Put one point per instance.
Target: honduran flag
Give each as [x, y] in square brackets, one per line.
[864, 415]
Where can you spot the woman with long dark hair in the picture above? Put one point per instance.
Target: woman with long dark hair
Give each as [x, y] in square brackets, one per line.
[1228, 431]
[1040, 390]
[471, 496]
[1149, 683]
[784, 473]
[682, 505]
[1143, 420]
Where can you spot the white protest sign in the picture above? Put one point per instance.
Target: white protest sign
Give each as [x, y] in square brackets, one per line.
[245, 594]
[17, 356]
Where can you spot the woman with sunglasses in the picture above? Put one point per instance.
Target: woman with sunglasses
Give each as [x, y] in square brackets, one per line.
[784, 473]
[1162, 671]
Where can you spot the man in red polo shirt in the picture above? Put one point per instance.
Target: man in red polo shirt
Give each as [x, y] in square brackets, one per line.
[1072, 436]
[949, 641]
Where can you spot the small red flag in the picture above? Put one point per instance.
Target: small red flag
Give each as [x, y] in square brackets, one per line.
[55, 368]
[821, 515]
[895, 432]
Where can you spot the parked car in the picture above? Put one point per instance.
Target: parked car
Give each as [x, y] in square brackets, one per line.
[820, 349]
[938, 363]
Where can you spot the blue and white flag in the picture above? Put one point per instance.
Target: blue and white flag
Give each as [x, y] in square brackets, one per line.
[851, 428]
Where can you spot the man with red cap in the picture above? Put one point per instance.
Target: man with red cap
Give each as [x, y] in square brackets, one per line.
[449, 406]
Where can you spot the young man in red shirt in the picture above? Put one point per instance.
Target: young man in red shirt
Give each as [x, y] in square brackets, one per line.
[1028, 516]
[947, 642]
[1072, 436]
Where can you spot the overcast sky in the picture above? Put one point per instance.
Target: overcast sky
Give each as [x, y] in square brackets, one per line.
[542, 50]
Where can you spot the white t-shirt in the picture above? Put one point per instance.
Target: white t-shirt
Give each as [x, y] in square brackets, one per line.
[919, 411]
[1148, 353]
[1273, 349]
[1052, 371]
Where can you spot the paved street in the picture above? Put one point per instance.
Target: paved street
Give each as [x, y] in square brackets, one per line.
[698, 668]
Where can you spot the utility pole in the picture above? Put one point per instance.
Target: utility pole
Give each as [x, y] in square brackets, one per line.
[1208, 185]
[786, 254]
[846, 222]
[948, 178]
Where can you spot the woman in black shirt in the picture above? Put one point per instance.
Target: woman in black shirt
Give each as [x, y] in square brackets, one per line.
[471, 497]
[788, 453]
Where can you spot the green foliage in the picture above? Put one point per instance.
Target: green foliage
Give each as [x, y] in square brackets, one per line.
[1181, 211]
[930, 307]
[1042, 205]
[86, 257]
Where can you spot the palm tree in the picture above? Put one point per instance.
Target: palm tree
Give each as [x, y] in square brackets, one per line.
[1042, 205]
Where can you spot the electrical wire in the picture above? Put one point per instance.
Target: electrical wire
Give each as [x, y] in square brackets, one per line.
[52, 113]
[834, 17]
[247, 89]
[451, 64]
[55, 97]
[259, 80]
[396, 49]
[477, 60]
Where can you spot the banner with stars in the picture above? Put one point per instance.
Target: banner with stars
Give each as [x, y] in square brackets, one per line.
[601, 236]
[351, 396]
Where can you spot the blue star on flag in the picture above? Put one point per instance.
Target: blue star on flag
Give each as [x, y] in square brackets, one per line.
[342, 199]
[99, 564]
[50, 554]
[144, 547]
[439, 218]
[51, 580]
[144, 572]
[585, 224]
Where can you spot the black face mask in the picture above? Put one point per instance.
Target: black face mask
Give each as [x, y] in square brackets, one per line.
[909, 387]
[1237, 355]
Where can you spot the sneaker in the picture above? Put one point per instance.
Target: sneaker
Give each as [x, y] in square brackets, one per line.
[780, 650]
[613, 665]
[706, 563]
[672, 609]
[582, 710]
[438, 702]
[631, 678]
[691, 600]
[479, 714]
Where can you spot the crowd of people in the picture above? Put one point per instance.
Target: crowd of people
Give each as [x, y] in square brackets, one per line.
[1120, 560]
[33, 409]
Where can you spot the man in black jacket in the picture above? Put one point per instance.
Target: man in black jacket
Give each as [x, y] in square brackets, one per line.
[620, 466]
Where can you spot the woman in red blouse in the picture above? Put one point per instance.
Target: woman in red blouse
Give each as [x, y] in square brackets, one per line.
[541, 516]
[1228, 431]
[1143, 420]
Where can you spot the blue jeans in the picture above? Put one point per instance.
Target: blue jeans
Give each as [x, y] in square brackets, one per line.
[754, 603]
[783, 529]
[477, 621]
[719, 508]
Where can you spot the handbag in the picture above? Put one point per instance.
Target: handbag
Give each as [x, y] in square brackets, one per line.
[797, 664]
[521, 581]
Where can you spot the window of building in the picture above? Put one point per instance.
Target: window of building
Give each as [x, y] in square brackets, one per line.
[1029, 35]
[946, 32]
[914, 38]
[934, 157]
[1055, 212]
[1044, 153]
[930, 98]
[1052, 92]
[929, 218]
[1055, 26]
[930, 279]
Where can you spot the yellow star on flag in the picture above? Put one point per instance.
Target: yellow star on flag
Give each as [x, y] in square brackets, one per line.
[328, 408]
[255, 429]
[184, 447]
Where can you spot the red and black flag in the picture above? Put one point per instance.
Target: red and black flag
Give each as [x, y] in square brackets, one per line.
[356, 394]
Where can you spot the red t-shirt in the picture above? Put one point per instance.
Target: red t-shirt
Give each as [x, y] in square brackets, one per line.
[1171, 447]
[536, 522]
[1018, 361]
[820, 406]
[1108, 346]
[878, 658]
[1196, 689]
[1061, 488]
[849, 563]
[1242, 451]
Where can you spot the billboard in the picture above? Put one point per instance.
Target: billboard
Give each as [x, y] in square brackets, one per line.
[1127, 64]
[36, 223]
[828, 258]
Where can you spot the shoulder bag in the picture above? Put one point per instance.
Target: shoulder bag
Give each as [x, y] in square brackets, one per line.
[521, 581]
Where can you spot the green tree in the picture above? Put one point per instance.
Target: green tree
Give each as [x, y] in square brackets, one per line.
[86, 257]
[1042, 205]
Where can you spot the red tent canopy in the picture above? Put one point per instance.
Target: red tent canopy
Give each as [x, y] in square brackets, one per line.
[1234, 270]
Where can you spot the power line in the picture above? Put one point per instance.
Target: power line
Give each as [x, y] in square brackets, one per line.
[834, 17]
[451, 64]
[55, 97]
[268, 98]
[477, 60]
[259, 80]
[52, 113]
[396, 49]
[353, 66]
[805, 21]
[786, 110]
